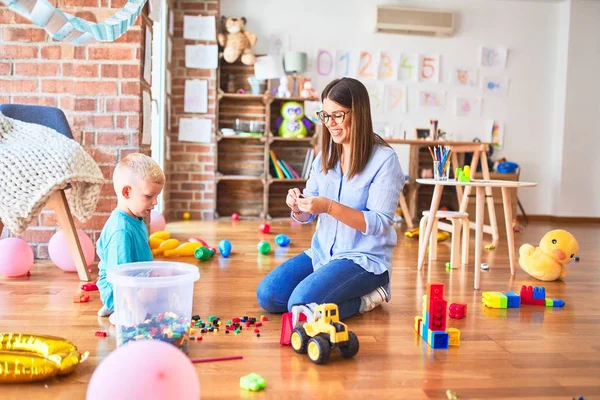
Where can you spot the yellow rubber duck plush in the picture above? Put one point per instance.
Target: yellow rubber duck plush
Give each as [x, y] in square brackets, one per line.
[547, 262]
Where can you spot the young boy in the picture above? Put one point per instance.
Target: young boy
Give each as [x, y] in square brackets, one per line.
[138, 181]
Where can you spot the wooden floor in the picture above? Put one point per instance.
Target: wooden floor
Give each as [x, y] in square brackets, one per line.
[525, 353]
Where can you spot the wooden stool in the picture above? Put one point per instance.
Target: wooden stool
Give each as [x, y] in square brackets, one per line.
[460, 221]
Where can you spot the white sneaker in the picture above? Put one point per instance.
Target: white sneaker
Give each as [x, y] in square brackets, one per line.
[113, 319]
[104, 312]
[373, 299]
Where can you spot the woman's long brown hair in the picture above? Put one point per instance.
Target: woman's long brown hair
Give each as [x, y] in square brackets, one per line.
[351, 94]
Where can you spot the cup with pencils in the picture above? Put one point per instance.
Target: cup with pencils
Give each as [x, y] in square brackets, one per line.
[441, 162]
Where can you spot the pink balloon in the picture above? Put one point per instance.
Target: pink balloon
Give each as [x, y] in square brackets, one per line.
[59, 252]
[16, 257]
[157, 222]
[146, 369]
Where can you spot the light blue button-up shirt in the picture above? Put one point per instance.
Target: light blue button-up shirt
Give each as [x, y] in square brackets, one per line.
[375, 192]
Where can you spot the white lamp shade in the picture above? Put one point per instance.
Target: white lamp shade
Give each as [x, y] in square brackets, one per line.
[295, 61]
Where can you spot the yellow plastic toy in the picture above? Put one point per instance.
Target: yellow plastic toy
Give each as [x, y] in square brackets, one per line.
[168, 244]
[547, 262]
[164, 235]
[317, 337]
[185, 250]
[155, 242]
[414, 233]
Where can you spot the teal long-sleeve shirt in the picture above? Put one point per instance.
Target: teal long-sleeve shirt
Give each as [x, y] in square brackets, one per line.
[124, 239]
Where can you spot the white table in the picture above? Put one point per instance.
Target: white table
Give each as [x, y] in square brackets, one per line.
[480, 186]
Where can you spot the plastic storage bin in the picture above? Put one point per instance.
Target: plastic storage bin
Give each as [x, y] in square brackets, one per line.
[153, 300]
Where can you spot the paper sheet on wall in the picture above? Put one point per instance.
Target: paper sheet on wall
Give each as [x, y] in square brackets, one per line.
[493, 57]
[195, 98]
[376, 95]
[169, 50]
[395, 98]
[195, 130]
[168, 79]
[468, 106]
[495, 86]
[171, 22]
[463, 76]
[496, 131]
[199, 27]
[168, 113]
[432, 100]
[409, 67]
[429, 68]
[310, 110]
[268, 67]
[148, 56]
[147, 118]
[201, 56]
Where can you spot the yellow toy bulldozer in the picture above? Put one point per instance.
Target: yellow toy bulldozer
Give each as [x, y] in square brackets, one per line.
[319, 336]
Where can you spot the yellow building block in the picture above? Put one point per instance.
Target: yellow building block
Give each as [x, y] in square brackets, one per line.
[418, 319]
[454, 336]
[425, 305]
[494, 299]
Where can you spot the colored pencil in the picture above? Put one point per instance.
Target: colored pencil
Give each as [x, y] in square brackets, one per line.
[432, 156]
[203, 360]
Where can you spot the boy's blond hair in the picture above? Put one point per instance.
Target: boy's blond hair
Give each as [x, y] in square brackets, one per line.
[142, 167]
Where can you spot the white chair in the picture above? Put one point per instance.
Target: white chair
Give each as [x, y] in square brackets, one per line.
[459, 222]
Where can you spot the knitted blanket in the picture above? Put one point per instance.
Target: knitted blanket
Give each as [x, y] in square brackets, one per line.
[36, 161]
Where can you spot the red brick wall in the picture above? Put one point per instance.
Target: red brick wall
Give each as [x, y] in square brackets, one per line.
[98, 86]
[191, 167]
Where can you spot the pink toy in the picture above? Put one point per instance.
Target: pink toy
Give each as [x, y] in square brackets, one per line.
[457, 310]
[59, 252]
[145, 369]
[198, 240]
[235, 216]
[265, 228]
[16, 257]
[157, 222]
[287, 328]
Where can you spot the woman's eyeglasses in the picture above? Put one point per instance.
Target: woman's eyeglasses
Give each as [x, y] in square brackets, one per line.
[338, 116]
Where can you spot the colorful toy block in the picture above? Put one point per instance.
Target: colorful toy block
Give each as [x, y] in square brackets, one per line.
[457, 310]
[431, 326]
[437, 315]
[494, 299]
[418, 321]
[252, 382]
[530, 295]
[454, 336]
[438, 339]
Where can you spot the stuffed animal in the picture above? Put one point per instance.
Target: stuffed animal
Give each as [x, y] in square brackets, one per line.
[307, 90]
[283, 89]
[292, 123]
[236, 41]
[547, 262]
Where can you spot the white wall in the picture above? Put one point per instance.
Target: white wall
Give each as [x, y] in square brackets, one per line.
[534, 33]
[581, 141]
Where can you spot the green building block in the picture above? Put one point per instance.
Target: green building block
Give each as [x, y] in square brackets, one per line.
[549, 303]
[252, 382]
[494, 299]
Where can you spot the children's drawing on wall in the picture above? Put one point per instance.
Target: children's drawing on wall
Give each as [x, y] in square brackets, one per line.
[493, 57]
[495, 86]
[463, 76]
[429, 68]
[310, 110]
[468, 106]
[325, 63]
[496, 130]
[342, 64]
[368, 65]
[388, 66]
[376, 92]
[395, 98]
[432, 100]
[409, 67]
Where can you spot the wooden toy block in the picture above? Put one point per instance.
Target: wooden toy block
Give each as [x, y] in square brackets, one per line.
[454, 336]
[494, 299]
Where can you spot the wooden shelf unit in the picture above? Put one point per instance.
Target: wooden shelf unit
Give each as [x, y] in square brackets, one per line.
[243, 179]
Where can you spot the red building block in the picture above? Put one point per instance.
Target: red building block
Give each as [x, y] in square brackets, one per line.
[89, 287]
[101, 334]
[435, 291]
[528, 299]
[437, 315]
[458, 310]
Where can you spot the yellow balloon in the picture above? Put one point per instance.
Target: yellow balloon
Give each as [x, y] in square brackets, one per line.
[164, 235]
[154, 242]
[168, 244]
[26, 357]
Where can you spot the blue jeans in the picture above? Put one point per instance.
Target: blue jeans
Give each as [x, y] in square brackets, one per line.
[342, 282]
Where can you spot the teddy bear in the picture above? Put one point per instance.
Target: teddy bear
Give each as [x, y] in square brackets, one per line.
[283, 89]
[236, 41]
[307, 90]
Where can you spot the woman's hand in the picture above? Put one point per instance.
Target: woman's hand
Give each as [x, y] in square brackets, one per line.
[292, 199]
[314, 205]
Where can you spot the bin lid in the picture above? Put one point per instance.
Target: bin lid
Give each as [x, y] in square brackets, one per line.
[153, 274]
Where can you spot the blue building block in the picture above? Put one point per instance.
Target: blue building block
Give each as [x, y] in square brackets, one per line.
[440, 340]
[513, 300]
[425, 329]
[539, 293]
[558, 303]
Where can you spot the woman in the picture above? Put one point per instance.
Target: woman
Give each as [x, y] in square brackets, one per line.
[353, 188]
